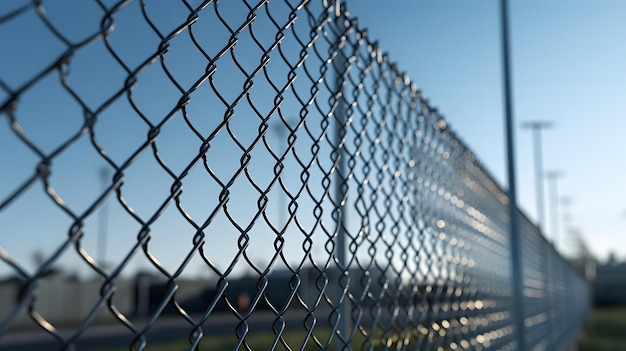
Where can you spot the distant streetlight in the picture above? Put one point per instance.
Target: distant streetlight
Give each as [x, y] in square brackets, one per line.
[566, 202]
[103, 218]
[566, 215]
[281, 130]
[536, 127]
[553, 194]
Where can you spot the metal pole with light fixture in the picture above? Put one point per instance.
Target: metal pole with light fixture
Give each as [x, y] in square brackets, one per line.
[565, 203]
[103, 219]
[553, 194]
[537, 127]
[516, 246]
[281, 130]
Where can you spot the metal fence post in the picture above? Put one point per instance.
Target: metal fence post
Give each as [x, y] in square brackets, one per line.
[340, 190]
[516, 247]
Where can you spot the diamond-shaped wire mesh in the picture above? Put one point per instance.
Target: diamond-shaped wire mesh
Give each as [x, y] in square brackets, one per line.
[246, 175]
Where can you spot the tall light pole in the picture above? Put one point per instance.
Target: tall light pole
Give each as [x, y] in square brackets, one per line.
[103, 218]
[566, 215]
[281, 131]
[566, 203]
[553, 194]
[516, 245]
[537, 127]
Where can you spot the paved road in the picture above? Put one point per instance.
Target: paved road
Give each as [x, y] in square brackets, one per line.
[108, 336]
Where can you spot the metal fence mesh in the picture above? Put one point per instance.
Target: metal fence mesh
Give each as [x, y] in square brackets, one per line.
[253, 172]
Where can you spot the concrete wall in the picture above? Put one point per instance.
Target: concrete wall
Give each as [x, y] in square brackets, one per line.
[66, 302]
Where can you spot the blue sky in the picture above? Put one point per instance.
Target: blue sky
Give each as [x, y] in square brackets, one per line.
[567, 67]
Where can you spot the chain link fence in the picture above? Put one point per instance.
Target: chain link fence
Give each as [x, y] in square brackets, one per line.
[246, 175]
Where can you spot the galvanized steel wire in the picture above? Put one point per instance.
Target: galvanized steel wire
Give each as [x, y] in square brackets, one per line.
[264, 142]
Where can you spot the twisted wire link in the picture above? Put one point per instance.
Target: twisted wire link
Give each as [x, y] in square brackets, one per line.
[251, 173]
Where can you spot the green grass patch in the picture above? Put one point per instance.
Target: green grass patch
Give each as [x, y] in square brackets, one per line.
[605, 330]
[293, 338]
[255, 341]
